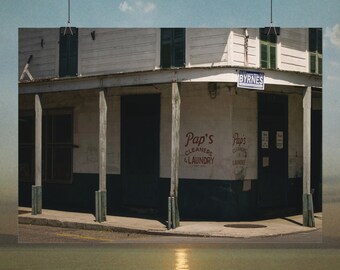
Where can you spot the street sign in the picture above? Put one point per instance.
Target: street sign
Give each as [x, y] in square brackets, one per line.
[250, 80]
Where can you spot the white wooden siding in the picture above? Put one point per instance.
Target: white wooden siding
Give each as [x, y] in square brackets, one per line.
[44, 62]
[117, 50]
[207, 47]
[238, 47]
[137, 49]
[294, 49]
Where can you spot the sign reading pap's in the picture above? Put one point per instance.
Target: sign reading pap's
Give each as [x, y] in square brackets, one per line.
[240, 149]
[197, 149]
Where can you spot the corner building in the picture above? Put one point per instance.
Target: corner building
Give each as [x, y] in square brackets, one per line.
[240, 146]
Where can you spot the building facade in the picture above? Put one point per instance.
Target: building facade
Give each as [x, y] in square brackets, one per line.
[107, 119]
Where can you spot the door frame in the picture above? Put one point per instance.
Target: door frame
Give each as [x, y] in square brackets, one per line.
[261, 99]
[123, 150]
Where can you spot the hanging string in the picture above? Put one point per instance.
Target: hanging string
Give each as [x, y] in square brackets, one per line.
[271, 12]
[271, 20]
[68, 25]
[69, 12]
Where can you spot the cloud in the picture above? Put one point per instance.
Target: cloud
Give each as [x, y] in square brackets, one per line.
[137, 6]
[334, 35]
[333, 78]
[124, 6]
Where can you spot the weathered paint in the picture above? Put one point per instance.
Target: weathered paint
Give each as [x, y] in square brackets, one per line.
[231, 115]
[116, 50]
[295, 136]
[307, 106]
[102, 139]
[38, 140]
[42, 43]
[218, 136]
[207, 47]
[238, 47]
[207, 130]
[294, 49]
[175, 144]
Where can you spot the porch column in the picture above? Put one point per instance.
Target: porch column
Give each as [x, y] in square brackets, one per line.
[173, 213]
[36, 189]
[101, 193]
[308, 212]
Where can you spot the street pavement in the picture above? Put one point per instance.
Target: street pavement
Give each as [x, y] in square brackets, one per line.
[243, 230]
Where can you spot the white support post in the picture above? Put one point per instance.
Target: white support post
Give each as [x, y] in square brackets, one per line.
[36, 189]
[101, 194]
[176, 102]
[308, 213]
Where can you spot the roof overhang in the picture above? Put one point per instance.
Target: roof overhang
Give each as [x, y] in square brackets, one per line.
[182, 75]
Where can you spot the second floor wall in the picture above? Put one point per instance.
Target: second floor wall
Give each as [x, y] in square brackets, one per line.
[99, 51]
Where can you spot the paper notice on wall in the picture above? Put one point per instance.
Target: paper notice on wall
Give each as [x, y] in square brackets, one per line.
[265, 161]
[246, 185]
[279, 139]
[265, 140]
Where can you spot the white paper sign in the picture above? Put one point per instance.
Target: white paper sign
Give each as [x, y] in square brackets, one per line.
[279, 139]
[265, 140]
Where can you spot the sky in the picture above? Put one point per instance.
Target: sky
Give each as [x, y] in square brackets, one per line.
[160, 13]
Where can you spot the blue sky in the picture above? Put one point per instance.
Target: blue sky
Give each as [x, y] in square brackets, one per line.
[158, 13]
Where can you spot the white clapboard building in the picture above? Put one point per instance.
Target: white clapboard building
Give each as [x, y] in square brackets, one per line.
[227, 122]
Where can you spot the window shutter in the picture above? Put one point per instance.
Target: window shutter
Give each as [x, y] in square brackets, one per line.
[272, 56]
[312, 39]
[264, 61]
[268, 49]
[312, 63]
[319, 40]
[320, 65]
[166, 37]
[179, 47]
[172, 47]
[68, 52]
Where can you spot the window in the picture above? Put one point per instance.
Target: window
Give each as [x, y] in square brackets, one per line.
[68, 52]
[268, 49]
[57, 146]
[172, 47]
[26, 146]
[315, 50]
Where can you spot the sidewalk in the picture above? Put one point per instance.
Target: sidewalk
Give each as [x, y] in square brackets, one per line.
[244, 229]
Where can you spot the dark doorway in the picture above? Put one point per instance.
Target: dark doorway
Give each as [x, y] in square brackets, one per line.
[272, 150]
[316, 166]
[140, 127]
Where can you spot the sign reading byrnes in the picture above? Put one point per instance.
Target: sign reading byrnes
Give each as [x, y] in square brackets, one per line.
[250, 80]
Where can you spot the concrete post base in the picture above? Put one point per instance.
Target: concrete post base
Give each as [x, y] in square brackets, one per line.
[101, 205]
[36, 200]
[173, 213]
[308, 211]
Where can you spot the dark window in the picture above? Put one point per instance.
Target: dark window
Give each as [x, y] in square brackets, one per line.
[315, 50]
[26, 147]
[268, 49]
[172, 47]
[68, 52]
[57, 146]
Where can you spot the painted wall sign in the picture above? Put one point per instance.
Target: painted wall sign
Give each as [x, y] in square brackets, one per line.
[265, 139]
[250, 80]
[197, 152]
[239, 156]
[279, 139]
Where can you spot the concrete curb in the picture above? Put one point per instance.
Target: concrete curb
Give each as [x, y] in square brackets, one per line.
[84, 226]
[107, 227]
